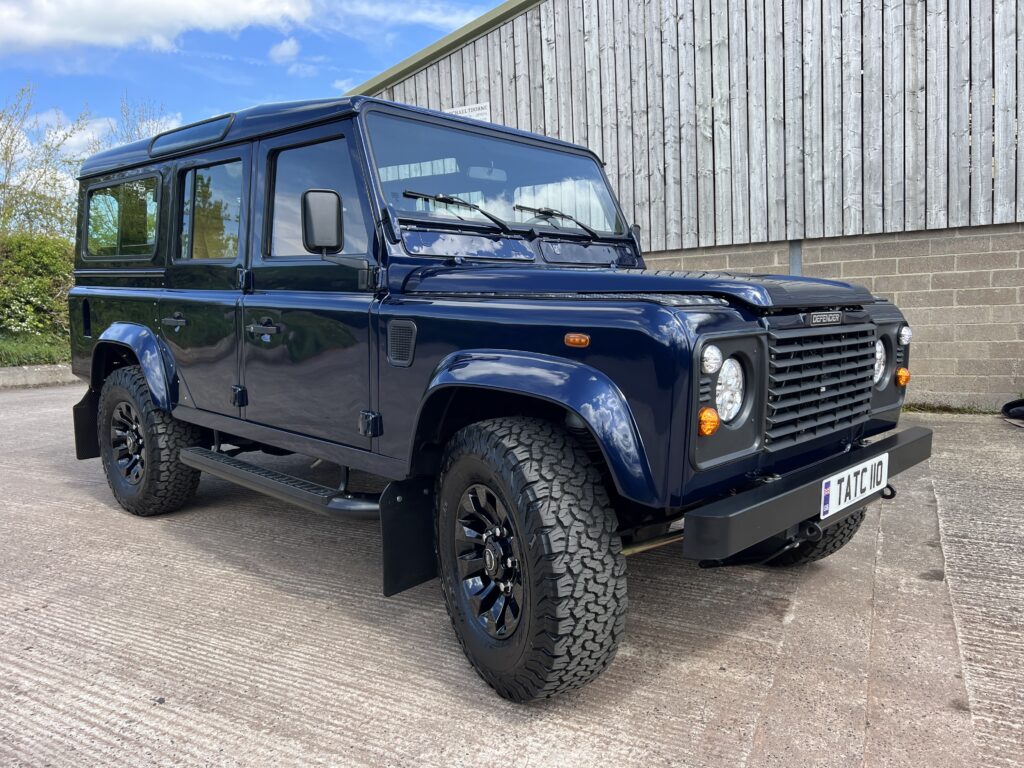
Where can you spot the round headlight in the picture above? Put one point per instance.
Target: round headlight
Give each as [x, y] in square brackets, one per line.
[906, 335]
[711, 359]
[880, 360]
[729, 392]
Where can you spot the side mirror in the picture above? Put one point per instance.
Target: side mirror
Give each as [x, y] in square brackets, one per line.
[322, 221]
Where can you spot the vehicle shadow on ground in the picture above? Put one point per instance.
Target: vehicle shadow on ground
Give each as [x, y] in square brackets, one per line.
[679, 615]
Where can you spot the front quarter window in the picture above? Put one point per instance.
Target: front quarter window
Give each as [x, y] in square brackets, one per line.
[524, 184]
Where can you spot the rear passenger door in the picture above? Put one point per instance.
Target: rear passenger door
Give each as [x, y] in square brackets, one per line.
[305, 349]
[199, 315]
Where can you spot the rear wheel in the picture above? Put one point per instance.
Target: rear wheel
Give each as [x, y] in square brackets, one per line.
[832, 540]
[531, 565]
[139, 446]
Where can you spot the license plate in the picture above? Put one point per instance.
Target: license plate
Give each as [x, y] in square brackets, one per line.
[851, 485]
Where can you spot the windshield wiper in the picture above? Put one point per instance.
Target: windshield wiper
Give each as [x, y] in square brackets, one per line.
[551, 213]
[453, 200]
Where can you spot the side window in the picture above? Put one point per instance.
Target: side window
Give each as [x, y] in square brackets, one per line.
[326, 165]
[123, 219]
[211, 211]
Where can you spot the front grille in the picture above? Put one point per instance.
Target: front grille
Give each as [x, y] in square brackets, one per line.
[819, 381]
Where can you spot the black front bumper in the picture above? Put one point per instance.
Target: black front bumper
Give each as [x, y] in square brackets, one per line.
[725, 527]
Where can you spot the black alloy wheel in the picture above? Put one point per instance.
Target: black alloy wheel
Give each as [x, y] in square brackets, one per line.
[489, 559]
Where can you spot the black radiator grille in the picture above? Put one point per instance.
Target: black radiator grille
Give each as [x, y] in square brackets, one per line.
[819, 381]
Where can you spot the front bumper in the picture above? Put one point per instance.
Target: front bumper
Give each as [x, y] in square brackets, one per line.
[724, 528]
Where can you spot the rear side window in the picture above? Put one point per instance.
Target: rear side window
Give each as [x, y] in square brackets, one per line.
[211, 212]
[326, 165]
[123, 219]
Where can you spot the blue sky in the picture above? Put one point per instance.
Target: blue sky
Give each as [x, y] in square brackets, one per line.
[197, 58]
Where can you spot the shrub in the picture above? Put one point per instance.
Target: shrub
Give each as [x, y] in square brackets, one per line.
[35, 277]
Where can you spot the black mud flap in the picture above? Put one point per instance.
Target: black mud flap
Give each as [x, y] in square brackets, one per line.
[87, 443]
[407, 532]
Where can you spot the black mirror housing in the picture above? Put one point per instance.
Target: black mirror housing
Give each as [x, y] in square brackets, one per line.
[322, 221]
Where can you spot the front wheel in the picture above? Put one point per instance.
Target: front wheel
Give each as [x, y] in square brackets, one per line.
[139, 446]
[531, 565]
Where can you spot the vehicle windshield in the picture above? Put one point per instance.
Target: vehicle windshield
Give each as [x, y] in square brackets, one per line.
[524, 185]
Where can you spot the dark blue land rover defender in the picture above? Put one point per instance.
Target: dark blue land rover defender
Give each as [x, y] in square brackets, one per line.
[461, 311]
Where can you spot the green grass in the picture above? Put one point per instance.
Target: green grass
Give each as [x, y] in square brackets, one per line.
[32, 349]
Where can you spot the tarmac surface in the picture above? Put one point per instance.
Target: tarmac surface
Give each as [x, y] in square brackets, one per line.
[241, 631]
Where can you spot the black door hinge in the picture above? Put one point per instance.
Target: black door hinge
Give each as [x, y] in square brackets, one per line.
[239, 396]
[371, 424]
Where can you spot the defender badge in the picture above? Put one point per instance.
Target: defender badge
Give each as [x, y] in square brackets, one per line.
[826, 318]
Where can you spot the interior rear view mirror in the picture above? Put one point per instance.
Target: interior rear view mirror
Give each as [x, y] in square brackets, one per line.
[486, 173]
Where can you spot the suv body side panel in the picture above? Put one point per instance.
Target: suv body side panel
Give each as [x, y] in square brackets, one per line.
[205, 296]
[310, 374]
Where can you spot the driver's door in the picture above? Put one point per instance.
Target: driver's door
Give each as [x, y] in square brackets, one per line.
[305, 322]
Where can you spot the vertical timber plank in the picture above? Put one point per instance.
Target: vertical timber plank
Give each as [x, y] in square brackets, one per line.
[639, 119]
[623, 108]
[853, 122]
[792, 32]
[688, 199]
[813, 121]
[959, 170]
[757, 137]
[981, 112]
[915, 40]
[872, 57]
[721, 121]
[655, 124]
[547, 23]
[523, 64]
[937, 117]
[579, 73]
[703, 112]
[893, 134]
[832, 115]
[738, 97]
[534, 48]
[1004, 190]
[670, 103]
[495, 78]
[775, 121]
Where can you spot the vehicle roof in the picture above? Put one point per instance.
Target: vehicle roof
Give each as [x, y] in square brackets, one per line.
[267, 119]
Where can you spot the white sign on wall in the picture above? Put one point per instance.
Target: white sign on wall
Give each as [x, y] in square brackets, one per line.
[480, 111]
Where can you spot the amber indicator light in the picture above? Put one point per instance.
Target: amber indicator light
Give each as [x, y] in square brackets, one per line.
[578, 340]
[902, 377]
[708, 422]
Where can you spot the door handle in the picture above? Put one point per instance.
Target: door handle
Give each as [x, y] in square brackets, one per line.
[178, 321]
[265, 328]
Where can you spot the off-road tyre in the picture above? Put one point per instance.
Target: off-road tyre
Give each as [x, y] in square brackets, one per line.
[165, 483]
[832, 540]
[573, 569]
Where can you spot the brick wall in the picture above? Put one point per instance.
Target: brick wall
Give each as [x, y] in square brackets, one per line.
[962, 291]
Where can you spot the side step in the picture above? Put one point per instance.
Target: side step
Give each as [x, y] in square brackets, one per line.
[301, 493]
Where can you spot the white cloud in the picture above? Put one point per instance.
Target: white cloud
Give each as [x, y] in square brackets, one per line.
[38, 24]
[33, 24]
[299, 69]
[344, 85]
[284, 51]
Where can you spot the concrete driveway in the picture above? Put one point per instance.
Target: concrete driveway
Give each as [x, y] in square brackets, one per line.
[242, 631]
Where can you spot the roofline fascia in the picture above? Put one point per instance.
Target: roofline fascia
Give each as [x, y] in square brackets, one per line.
[446, 45]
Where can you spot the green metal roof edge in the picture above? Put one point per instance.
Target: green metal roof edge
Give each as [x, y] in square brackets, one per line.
[451, 42]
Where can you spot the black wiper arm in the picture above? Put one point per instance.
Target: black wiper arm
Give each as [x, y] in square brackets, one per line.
[453, 200]
[551, 213]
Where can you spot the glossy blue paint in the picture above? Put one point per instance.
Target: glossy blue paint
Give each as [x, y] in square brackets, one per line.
[155, 360]
[491, 312]
[580, 388]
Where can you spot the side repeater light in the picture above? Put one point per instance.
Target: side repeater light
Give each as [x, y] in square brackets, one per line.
[577, 340]
[708, 422]
[902, 377]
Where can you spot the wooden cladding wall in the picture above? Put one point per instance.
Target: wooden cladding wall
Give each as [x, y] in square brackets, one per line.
[736, 121]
